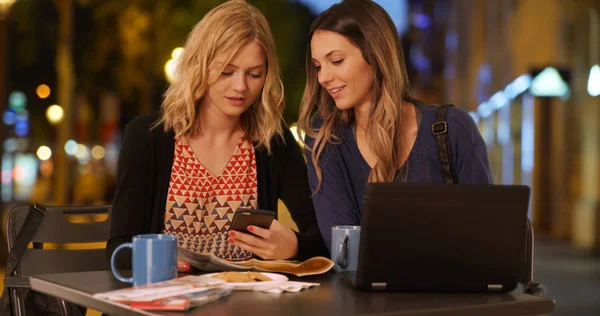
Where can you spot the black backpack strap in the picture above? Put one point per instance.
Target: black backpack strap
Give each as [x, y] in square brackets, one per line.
[30, 226]
[440, 131]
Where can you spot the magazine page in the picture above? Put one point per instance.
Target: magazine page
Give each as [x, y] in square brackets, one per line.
[312, 266]
[183, 302]
[151, 292]
[211, 263]
[207, 262]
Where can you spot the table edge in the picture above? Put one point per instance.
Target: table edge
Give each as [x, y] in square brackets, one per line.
[87, 300]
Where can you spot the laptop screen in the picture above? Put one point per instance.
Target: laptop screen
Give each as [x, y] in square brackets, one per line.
[438, 237]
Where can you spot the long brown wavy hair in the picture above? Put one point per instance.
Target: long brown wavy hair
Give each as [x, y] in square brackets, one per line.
[369, 27]
[222, 32]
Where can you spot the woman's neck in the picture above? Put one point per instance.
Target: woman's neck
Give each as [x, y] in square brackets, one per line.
[214, 124]
[361, 116]
[408, 112]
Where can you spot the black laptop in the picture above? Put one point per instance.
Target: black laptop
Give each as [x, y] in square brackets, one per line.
[443, 238]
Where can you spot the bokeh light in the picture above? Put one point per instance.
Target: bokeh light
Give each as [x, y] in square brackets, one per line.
[17, 101]
[176, 52]
[55, 114]
[9, 117]
[43, 91]
[170, 70]
[171, 64]
[44, 152]
[593, 86]
[82, 154]
[19, 173]
[98, 152]
[71, 147]
[10, 145]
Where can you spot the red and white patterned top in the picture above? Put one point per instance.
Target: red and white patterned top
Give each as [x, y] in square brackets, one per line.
[200, 205]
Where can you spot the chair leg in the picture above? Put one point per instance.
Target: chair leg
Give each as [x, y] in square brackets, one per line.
[529, 287]
[17, 302]
[529, 254]
[64, 309]
[536, 289]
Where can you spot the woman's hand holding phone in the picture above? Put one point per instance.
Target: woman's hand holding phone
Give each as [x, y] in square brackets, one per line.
[277, 242]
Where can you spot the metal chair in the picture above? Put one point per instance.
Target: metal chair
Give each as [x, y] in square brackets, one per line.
[55, 228]
[529, 287]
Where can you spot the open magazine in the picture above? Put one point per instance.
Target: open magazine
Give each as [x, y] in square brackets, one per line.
[209, 262]
[179, 294]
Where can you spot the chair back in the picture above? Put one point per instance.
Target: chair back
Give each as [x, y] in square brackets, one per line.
[46, 253]
[56, 228]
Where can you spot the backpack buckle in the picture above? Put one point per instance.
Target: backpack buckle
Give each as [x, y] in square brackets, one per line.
[439, 128]
[39, 208]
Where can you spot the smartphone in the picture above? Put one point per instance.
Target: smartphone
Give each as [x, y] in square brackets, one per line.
[245, 216]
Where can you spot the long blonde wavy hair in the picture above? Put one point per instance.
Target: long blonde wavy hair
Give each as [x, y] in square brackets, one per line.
[222, 32]
[371, 29]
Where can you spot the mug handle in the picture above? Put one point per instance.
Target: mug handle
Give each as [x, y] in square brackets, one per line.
[342, 257]
[114, 268]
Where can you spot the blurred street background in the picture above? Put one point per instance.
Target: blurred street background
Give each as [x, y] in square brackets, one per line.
[73, 73]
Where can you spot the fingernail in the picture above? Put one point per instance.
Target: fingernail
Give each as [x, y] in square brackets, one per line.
[231, 234]
[186, 266]
[230, 240]
[250, 228]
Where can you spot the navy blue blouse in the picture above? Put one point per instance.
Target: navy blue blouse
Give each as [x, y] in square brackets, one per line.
[339, 199]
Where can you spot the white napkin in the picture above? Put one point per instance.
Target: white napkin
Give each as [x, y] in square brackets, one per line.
[287, 286]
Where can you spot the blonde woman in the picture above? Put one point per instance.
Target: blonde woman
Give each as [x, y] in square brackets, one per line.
[360, 121]
[219, 144]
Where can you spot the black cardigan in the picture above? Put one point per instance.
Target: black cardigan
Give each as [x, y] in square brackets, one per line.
[143, 176]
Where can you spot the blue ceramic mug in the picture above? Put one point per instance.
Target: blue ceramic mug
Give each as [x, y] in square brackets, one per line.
[344, 247]
[154, 259]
